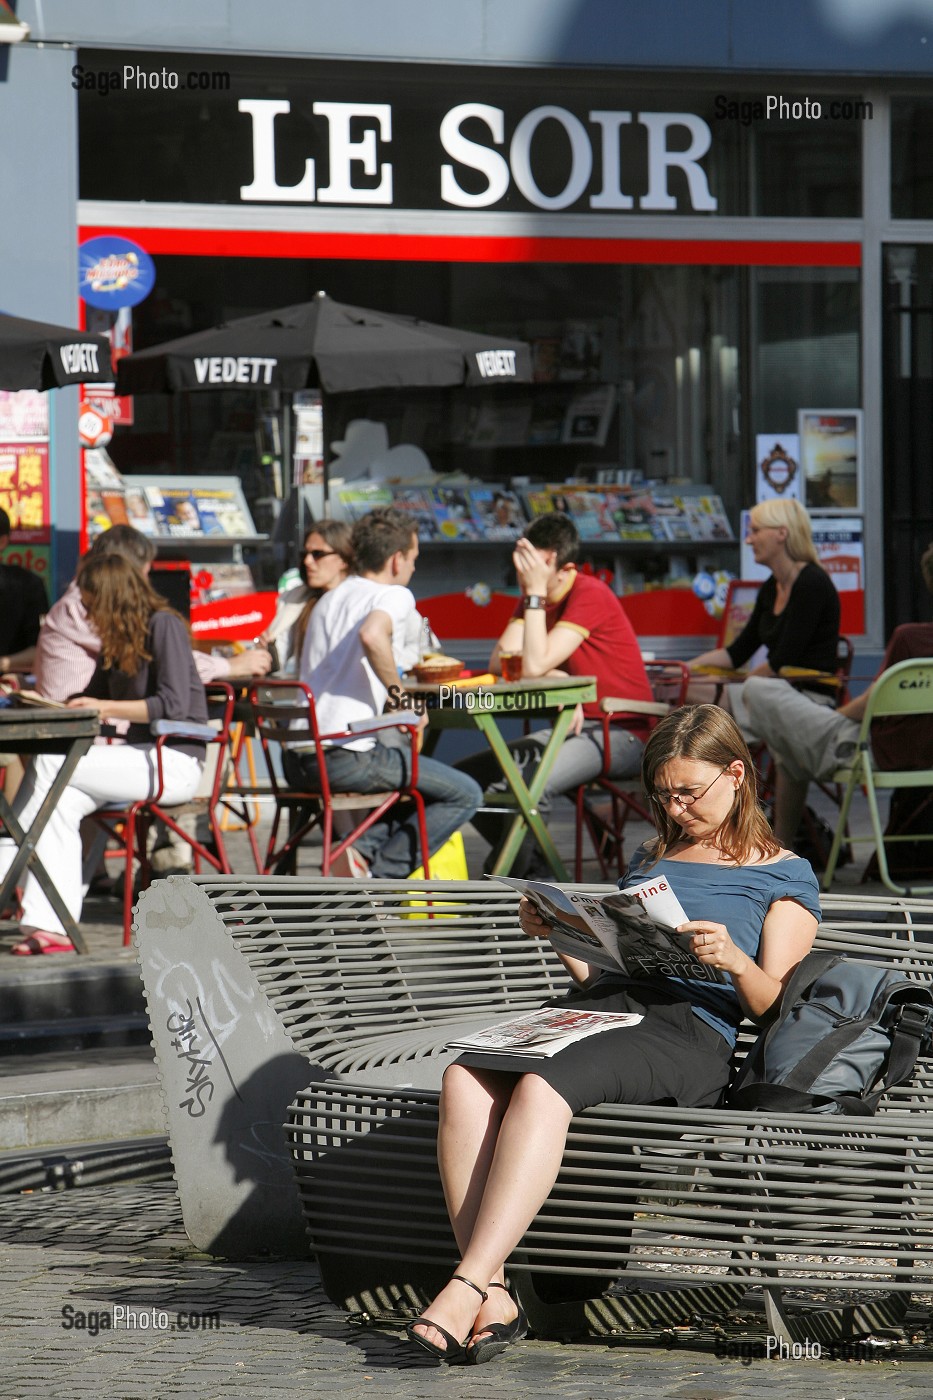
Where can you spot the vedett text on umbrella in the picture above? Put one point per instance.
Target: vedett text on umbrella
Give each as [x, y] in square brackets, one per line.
[234, 369]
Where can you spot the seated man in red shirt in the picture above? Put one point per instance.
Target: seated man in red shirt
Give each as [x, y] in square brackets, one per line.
[572, 624]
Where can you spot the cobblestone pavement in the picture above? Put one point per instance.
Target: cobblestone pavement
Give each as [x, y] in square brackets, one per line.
[75, 1256]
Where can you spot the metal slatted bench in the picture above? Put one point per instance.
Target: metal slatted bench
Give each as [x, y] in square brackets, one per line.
[254, 987]
[658, 1215]
[257, 987]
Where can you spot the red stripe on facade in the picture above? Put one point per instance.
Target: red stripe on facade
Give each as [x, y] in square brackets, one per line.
[403, 247]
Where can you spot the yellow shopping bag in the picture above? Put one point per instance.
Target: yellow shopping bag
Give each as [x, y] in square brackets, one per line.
[449, 863]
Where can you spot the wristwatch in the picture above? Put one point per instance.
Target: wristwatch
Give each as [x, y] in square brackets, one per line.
[533, 601]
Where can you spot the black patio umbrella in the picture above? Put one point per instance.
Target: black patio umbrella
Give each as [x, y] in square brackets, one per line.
[325, 344]
[36, 355]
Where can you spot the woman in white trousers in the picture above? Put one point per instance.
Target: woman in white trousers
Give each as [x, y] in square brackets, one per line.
[145, 673]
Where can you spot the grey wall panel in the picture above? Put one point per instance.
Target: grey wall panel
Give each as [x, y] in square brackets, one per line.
[855, 36]
[38, 239]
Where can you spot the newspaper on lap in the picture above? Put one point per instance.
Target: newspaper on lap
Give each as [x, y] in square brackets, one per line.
[630, 930]
[540, 1034]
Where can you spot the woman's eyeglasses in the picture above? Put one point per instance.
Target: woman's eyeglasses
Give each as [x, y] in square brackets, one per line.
[686, 799]
[318, 554]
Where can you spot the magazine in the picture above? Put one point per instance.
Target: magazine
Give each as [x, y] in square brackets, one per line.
[540, 1034]
[454, 514]
[175, 511]
[220, 513]
[629, 930]
[413, 500]
[31, 698]
[706, 518]
[139, 511]
[359, 500]
[497, 512]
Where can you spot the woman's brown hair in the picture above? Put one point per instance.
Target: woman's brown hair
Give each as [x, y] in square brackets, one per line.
[708, 734]
[339, 537]
[120, 602]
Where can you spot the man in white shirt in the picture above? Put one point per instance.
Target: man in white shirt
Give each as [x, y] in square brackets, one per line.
[349, 664]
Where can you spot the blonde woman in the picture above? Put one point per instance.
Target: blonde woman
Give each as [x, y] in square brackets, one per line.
[796, 613]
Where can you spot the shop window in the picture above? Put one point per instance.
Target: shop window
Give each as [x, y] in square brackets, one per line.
[804, 343]
[911, 169]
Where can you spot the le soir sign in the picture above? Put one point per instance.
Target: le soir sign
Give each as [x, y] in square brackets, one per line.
[287, 133]
[473, 137]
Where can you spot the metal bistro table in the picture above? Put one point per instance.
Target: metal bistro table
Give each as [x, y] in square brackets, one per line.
[482, 708]
[28, 731]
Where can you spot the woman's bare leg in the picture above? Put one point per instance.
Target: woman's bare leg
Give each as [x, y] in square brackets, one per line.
[473, 1104]
[523, 1168]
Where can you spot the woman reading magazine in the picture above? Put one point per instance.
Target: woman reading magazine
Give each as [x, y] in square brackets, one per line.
[753, 909]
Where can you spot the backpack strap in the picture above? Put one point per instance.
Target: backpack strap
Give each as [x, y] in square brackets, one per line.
[810, 967]
[775, 1098]
[910, 1026]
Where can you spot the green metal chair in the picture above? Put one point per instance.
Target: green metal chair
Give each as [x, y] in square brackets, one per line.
[904, 691]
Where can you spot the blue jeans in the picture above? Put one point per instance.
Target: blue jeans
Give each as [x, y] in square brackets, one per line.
[390, 846]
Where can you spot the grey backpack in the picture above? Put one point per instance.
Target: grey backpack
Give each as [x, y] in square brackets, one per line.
[845, 1033]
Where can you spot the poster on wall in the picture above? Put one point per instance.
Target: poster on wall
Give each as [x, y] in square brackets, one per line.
[24, 474]
[23, 415]
[777, 467]
[831, 458]
[840, 544]
[24, 489]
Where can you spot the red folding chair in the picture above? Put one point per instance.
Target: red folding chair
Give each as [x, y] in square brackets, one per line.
[129, 826]
[606, 829]
[284, 715]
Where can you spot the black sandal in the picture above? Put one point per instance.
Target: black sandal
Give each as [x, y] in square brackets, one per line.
[453, 1349]
[497, 1335]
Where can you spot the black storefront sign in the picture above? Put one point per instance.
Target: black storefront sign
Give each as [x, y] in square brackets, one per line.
[381, 136]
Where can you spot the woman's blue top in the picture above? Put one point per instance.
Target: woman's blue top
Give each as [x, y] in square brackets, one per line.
[738, 896]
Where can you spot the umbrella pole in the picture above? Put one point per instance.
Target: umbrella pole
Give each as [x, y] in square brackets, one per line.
[289, 461]
[325, 457]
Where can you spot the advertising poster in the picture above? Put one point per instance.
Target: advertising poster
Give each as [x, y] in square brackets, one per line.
[24, 489]
[831, 458]
[24, 477]
[777, 467]
[23, 415]
[840, 545]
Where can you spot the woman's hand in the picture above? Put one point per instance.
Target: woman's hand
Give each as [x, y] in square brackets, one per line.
[713, 946]
[533, 925]
[85, 702]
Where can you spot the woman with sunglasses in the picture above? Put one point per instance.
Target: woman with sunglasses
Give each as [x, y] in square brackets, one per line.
[752, 912]
[326, 560]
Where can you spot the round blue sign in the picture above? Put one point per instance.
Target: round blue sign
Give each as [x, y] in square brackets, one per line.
[114, 272]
